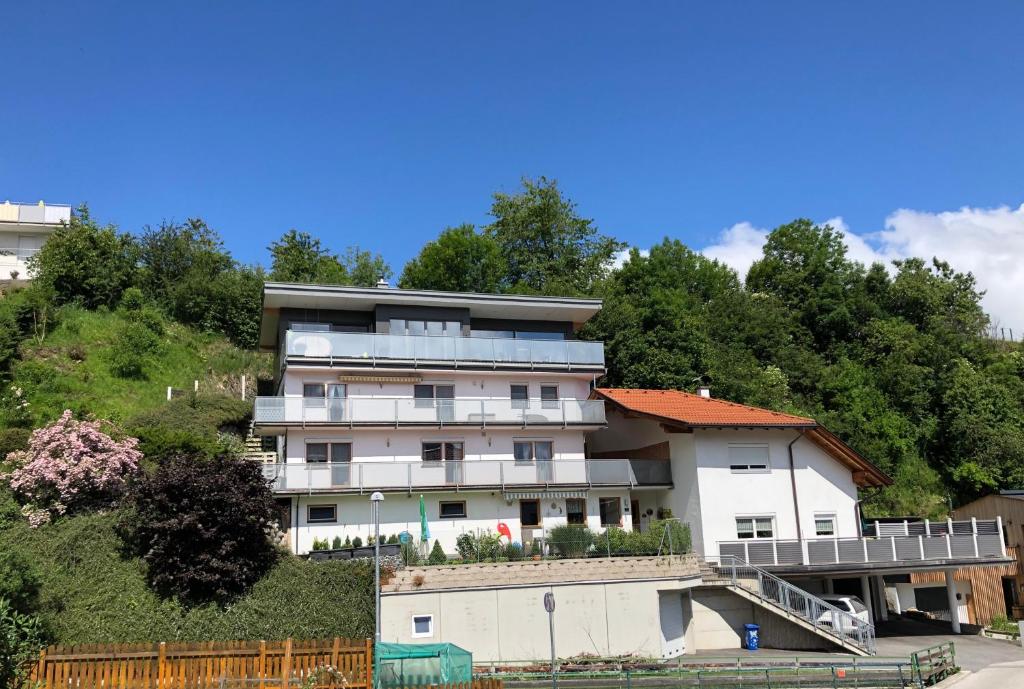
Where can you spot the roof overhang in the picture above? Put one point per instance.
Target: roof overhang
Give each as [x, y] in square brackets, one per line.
[865, 473]
[279, 295]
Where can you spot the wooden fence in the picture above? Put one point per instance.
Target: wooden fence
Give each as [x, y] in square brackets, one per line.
[213, 665]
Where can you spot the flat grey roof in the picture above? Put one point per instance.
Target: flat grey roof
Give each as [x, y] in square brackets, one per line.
[278, 295]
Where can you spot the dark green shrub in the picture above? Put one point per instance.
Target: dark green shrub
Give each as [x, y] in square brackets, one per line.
[320, 544]
[205, 414]
[19, 581]
[437, 556]
[513, 552]
[466, 545]
[131, 349]
[410, 554]
[357, 542]
[132, 299]
[669, 536]
[336, 543]
[392, 539]
[160, 443]
[570, 540]
[201, 526]
[348, 542]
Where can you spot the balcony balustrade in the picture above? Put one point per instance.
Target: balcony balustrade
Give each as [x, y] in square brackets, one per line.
[34, 213]
[950, 540]
[422, 350]
[397, 411]
[359, 476]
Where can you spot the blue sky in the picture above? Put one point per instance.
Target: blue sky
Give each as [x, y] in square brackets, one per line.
[378, 124]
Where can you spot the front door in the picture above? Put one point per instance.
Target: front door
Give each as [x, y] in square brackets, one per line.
[634, 513]
[341, 464]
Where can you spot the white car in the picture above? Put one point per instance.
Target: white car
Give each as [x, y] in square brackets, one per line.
[848, 604]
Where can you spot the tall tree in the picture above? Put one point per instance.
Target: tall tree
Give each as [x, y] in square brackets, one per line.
[459, 260]
[546, 245]
[300, 257]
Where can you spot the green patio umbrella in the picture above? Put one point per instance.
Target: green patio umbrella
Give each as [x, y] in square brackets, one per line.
[424, 526]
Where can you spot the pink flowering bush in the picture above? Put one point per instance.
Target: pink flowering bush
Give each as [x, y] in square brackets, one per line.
[70, 465]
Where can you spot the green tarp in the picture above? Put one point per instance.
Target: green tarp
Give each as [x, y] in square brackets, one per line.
[416, 665]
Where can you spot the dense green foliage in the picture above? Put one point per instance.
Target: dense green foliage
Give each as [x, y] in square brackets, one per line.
[202, 526]
[91, 593]
[21, 636]
[299, 257]
[459, 260]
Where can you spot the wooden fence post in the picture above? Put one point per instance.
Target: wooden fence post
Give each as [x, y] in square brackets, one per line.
[369, 664]
[286, 663]
[40, 672]
[161, 665]
[261, 668]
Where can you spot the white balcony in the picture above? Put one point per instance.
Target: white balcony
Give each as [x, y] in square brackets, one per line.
[34, 213]
[497, 474]
[373, 349]
[951, 540]
[398, 411]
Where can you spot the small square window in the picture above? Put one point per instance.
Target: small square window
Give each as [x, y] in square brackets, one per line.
[316, 453]
[322, 513]
[825, 525]
[549, 396]
[452, 510]
[529, 512]
[313, 390]
[754, 527]
[422, 625]
[576, 511]
[520, 394]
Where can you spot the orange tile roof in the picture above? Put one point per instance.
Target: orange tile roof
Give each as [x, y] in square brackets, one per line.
[675, 407]
[694, 410]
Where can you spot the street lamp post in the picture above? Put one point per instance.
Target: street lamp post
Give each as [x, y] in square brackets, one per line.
[375, 500]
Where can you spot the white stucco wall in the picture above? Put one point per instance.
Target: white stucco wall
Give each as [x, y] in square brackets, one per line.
[507, 624]
[401, 512]
[823, 485]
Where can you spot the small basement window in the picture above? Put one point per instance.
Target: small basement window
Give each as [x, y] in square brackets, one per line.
[452, 510]
[422, 625]
[322, 513]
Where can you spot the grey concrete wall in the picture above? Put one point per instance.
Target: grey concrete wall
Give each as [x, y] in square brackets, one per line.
[719, 616]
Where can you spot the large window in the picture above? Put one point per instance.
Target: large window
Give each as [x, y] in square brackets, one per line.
[317, 453]
[403, 326]
[529, 450]
[748, 459]
[321, 513]
[453, 509]
[755, 527]
[611, 511]
[576, 510]
[529, 512]
[446, 450]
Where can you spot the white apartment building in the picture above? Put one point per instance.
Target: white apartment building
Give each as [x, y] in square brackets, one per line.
[24, 228]
[479, 403]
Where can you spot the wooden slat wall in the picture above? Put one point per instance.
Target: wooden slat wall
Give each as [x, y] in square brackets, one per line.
[256, 664]
[986, 598]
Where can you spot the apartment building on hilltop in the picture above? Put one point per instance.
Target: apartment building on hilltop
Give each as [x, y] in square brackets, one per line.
[24, 228]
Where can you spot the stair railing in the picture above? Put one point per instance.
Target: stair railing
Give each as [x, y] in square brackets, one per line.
[822, 615]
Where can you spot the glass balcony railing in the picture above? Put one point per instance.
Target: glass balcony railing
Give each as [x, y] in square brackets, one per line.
[34, 213]
[423, 350]
[391, 411]
[386, 475]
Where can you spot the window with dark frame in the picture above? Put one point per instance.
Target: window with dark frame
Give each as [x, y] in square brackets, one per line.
[611, 511]
[549, 396]
[575, 511]
[520, 395]
[529, 512]
[321, 513]
[453, 509]
[316, 453]
[443, 450]
[529, 450]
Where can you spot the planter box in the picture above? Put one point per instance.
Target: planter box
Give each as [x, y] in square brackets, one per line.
[366, 551]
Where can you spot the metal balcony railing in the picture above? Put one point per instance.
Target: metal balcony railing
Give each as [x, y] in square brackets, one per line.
[825, 617]
[951, 540]
[396, 411]
[422, 350]
[491, 473]
[34, 213]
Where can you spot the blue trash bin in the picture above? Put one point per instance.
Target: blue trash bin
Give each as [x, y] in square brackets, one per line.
[750, 636]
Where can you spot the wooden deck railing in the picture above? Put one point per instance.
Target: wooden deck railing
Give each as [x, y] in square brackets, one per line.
[213, 665]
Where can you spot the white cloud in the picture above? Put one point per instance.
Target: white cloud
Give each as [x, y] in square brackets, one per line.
[988, 242]
[623, 256]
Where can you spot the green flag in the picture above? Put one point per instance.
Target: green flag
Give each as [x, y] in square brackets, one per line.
[424, 526]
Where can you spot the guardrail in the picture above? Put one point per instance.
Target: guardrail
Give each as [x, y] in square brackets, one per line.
[935, 663]
[417, 350]
[395, 411]
[972, 539]
[497, 473]
[821, 615]
[34, 213]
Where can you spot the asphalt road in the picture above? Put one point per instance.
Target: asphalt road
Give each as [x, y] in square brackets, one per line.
[902, 637]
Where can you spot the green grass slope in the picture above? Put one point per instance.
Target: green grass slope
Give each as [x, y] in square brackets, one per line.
[73, 368]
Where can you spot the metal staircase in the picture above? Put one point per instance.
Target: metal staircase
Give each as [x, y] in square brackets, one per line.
[790, 602]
